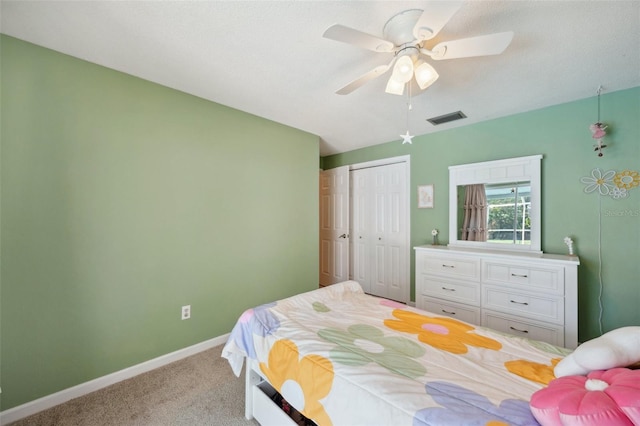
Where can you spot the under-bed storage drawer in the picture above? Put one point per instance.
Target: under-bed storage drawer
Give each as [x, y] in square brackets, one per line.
[265, 411]
[551, 333]
[458, 311]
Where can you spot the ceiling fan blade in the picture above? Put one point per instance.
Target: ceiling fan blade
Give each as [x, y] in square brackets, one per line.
[492, 44]
[348, 35]
[365, 78]
[434, 17]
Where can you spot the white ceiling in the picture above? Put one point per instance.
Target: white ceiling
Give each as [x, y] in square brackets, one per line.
[269, 58]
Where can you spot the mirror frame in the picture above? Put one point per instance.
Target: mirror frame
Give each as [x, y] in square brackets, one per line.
[491, 172]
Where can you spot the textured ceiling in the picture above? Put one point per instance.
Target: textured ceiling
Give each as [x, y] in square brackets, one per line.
[270, 59]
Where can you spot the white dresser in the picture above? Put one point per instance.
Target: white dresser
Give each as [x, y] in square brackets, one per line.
[530, 295]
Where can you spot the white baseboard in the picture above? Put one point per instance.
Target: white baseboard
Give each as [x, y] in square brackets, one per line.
[37, 405]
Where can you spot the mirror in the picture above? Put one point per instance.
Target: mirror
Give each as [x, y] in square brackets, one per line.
[496, 204]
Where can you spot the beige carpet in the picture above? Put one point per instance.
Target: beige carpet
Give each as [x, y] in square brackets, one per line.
[198, 390]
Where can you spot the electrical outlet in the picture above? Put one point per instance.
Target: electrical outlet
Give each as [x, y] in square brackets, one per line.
[186, 312]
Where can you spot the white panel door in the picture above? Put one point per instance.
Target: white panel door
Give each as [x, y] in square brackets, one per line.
[378, 213]
[360, 228]
[334, 225]
[397, 233]
[380, 229]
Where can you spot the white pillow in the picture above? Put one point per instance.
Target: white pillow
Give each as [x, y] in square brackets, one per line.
[617, 348]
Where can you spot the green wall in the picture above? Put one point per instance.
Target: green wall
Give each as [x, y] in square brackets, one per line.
[561, 133]
[123, 200]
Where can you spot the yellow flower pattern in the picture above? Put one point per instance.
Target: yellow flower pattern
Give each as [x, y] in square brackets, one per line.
[536, 372]
[312, 375]
[442, 333]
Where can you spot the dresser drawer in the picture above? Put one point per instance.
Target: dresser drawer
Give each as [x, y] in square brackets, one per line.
[547, 279]
[454, 310]
[549, 333]
[457, 291]
[459, 267]
[529, 305]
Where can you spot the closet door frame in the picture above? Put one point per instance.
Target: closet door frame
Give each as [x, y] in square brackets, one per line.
[406, 159]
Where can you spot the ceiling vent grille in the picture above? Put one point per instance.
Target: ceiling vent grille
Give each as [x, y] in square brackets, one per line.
[446, 118]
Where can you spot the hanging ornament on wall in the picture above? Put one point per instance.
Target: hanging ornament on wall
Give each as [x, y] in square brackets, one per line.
[598, 129]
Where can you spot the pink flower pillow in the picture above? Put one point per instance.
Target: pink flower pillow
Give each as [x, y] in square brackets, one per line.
[610, 397]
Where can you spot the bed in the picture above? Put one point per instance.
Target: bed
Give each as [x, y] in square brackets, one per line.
[342, 357]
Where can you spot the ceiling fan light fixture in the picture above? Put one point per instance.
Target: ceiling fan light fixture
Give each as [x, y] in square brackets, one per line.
[403, 36]
[403, 69]
[426, 75]
[394, 87]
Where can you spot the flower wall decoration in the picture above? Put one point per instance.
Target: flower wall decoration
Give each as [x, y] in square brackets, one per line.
[611, 183]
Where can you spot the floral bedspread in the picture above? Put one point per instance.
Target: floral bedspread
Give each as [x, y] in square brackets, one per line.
[342, 357]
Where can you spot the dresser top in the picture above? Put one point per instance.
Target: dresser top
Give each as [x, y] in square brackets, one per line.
[501, 254]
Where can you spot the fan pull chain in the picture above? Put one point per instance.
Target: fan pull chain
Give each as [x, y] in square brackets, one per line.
[406, 138]
[409, 106]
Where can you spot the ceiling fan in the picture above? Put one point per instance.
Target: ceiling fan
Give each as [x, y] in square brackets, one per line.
[405, 36]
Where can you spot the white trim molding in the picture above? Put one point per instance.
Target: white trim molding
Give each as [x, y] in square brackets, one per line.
[40, 404]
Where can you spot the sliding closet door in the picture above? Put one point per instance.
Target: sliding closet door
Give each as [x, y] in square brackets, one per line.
[380, 229]
[334, 225]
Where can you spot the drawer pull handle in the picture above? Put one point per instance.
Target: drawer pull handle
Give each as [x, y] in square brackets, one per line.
[519, 276]
[448, 266]
[447, 312]
[448, 289]
[519, 303]
[520, 331]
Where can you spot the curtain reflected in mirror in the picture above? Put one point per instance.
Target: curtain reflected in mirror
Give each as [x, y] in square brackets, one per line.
[474, 225]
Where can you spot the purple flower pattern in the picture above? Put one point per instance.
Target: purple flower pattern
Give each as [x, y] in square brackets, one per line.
[461, 406]
[256, 321]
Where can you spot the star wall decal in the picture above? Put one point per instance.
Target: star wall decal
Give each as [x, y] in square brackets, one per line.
[406, 138]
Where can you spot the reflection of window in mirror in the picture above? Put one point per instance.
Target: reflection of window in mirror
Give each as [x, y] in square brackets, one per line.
[495, 213]
[509, 213]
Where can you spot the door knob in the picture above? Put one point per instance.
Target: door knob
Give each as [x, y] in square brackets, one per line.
[343, 236]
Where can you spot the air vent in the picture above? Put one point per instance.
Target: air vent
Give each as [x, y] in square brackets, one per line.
[446, 118]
